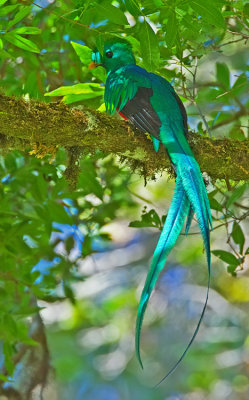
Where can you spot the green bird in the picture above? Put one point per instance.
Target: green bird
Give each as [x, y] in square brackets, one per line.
[151, 104]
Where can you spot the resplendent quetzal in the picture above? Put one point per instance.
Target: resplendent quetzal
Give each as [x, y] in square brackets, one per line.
[151, 104]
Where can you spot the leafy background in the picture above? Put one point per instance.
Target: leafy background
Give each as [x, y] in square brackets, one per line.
[80, 256]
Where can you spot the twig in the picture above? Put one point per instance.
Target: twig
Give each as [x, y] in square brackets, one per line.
[231, 41]
[65, 18]
[233, 117]
[238, 33]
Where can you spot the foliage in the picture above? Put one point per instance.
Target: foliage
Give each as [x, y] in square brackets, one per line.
[48, 231]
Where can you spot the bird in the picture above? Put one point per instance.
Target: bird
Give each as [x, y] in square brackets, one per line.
[151, 104]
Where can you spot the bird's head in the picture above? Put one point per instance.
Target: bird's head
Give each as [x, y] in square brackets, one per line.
[115, 54]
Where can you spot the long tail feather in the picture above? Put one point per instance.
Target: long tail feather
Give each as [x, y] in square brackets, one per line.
[189, 220]
[178, 211]
[192, 182]
[189, 174]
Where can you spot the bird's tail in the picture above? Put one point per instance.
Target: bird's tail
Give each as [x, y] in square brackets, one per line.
[195, 190]
[189, 171]
[190, 197]
[179, 209]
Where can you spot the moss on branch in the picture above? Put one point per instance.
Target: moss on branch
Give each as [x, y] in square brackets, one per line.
[25, 124]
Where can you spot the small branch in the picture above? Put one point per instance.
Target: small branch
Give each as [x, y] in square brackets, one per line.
[233, 117]
[192, 96]
[238, 34]
[25, 125]
[232, 41]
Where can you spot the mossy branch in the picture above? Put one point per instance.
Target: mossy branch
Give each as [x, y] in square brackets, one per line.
[25, 124]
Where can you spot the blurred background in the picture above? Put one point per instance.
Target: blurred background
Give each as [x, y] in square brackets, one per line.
[92, 342]
[74, 258]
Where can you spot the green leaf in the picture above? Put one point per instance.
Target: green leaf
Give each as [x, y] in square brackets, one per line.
[236, 133]
[4, 54]
[223, 74]
[10, 325]
[114, 14]
[88, 182]
[22, 42]
[8, 353]
[7, 9]
[150, 219]
[240, 85]
[171, 29]
[58, 213]
[69, 243]
[89, 90]
[227, 257]
[133, 7]
[231, 269]
[19, 16]
[78, 98]
[151, 6]
[149, 46]
[5, 378]
[83, 52]
[192, 29]
[69, 292]
[208, 12]
[245, 9]
[27, 30]
[214, 204]
[2, 2]
[238, 236]
[236, 194]
[99, 73]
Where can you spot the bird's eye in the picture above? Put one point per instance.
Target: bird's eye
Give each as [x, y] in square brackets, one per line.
[109, 54]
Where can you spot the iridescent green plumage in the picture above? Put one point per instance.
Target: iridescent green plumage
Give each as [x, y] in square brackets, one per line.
[150, 102]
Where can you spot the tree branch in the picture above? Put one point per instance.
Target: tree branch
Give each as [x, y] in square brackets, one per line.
[24, 125]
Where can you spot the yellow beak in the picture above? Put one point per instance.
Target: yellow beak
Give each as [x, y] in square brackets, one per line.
[93, 65]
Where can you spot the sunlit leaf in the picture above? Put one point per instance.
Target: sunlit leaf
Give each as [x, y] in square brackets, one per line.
[149, 46]
[171, 29]
[7, 9]
[2, 2]
[111, 12]
[19, 16]
[84, 52]
[87, 89]
[27, 30]
[150, 6]
[208, 11]
[22, 42]
[133, 7]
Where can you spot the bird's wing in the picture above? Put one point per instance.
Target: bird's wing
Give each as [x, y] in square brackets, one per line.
[129, 91]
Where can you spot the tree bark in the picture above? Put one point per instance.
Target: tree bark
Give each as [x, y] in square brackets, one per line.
[28, 125]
